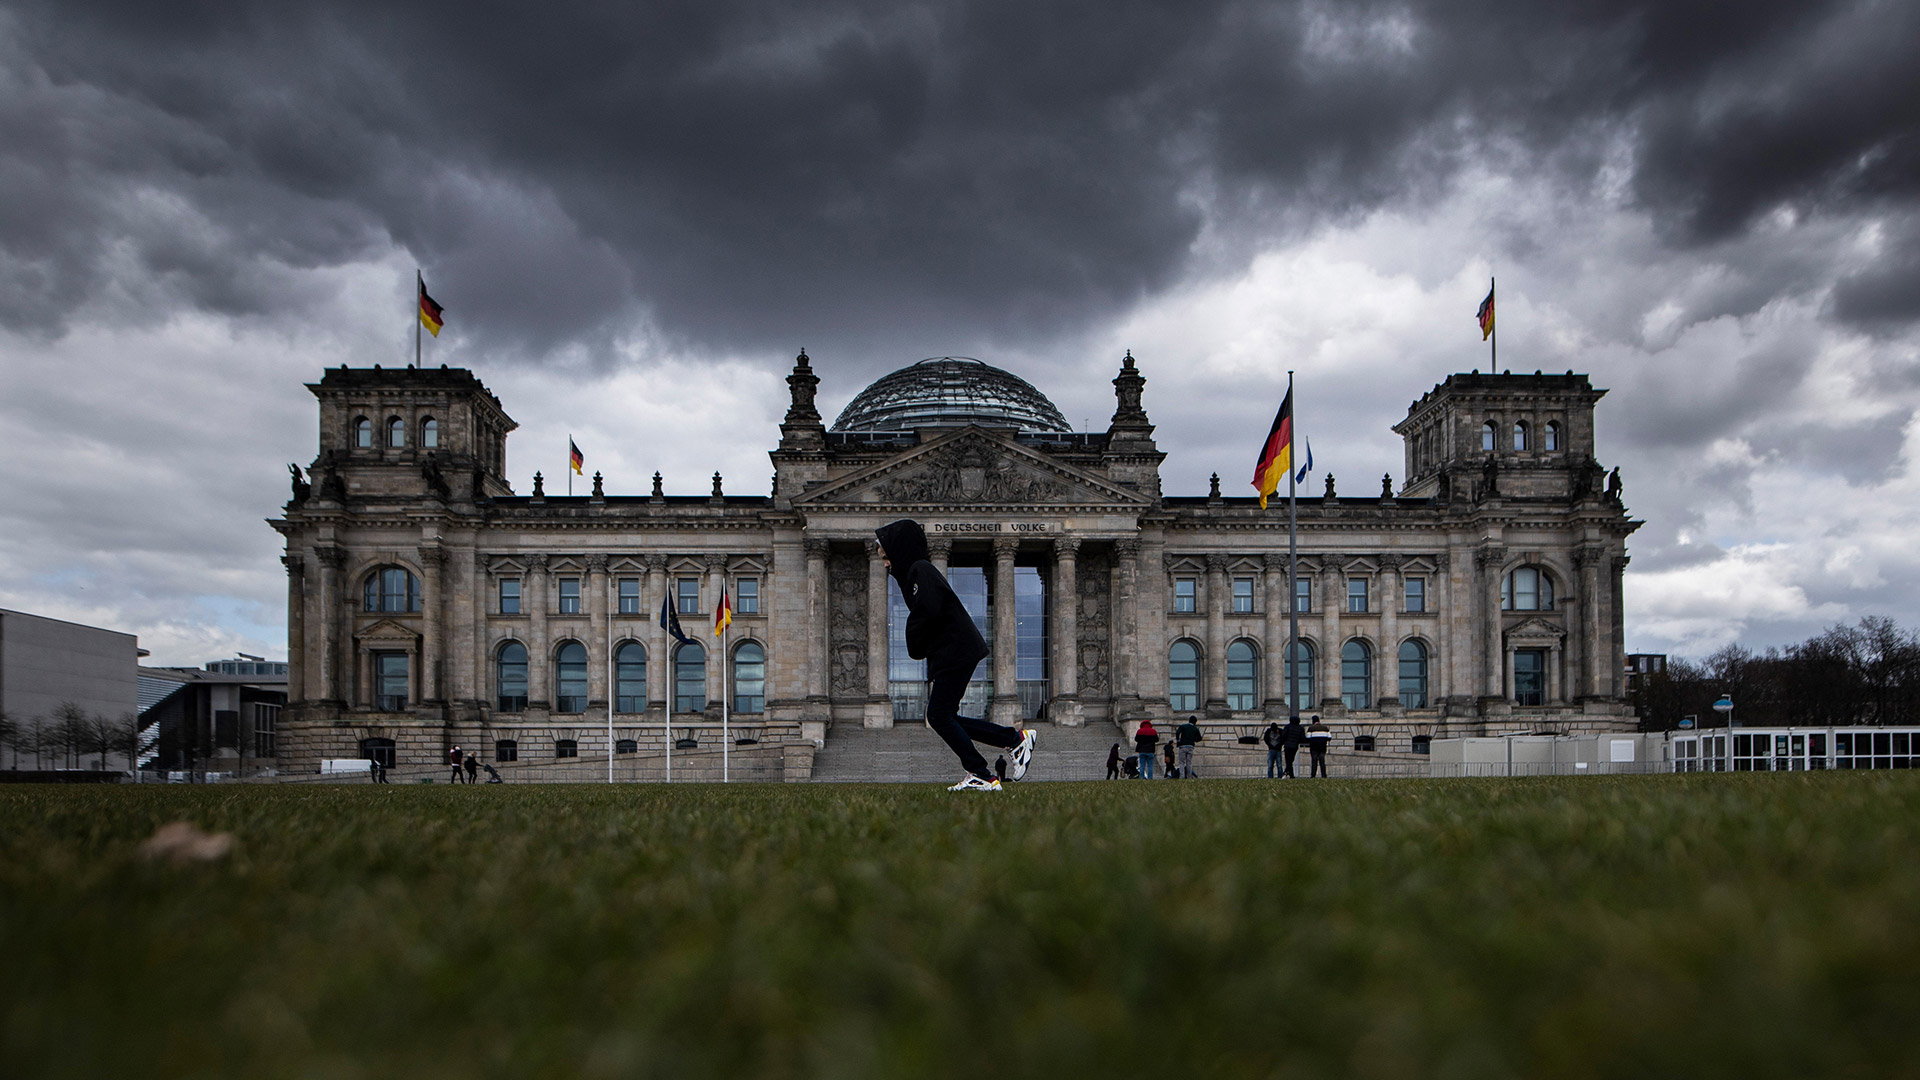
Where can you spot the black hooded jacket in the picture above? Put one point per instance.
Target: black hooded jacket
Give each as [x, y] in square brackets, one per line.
[939, 629]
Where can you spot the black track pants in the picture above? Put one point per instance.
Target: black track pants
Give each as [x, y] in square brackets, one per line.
[961, 732]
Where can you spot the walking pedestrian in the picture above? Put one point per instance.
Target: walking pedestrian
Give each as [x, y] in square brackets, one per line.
[1273, 740]
[1172, 773]
[1113, 762]
[1319, 736]
[1145, 738]
[941, 631]
[1291, 737]
[472, 765]
[453, 762]
[1186, 737]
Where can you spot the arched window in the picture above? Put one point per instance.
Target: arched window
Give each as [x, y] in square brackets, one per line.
[690, 678]
[749, 678]
[1356, 675]
[1551, 437]
[510, 678]
[1520, 435]
[392, 589]
[630, 678]
[1413, 675]
[1242, 686]
[380, 750]
[1183, 676]
[1300, 677]
[363, 433]
[1489, 436]
[429, 433]
[1526, 589]
[397, 433]
[570, 685]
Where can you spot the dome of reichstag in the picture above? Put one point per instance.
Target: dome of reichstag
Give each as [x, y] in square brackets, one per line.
[948, 391]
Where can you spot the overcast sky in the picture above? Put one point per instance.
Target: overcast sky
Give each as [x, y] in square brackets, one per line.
[636, 214]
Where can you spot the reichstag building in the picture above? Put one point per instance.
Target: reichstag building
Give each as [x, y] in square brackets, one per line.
[429, 605]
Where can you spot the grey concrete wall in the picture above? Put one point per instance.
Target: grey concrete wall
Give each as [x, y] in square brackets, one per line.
[44, 662]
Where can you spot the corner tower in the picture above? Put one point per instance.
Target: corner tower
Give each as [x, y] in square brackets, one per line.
[1478, 436]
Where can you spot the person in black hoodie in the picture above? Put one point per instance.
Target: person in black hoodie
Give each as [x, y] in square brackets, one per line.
[941, 632]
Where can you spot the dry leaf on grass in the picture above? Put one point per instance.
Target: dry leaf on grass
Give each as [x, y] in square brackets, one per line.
[179, 843]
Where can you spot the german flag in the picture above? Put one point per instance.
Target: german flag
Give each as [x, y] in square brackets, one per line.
[722, 614]
[430, 312]
[1276, 456]
[574, 457]
[1486, 315]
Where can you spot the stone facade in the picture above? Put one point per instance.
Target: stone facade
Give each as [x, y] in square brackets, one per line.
[430, 605]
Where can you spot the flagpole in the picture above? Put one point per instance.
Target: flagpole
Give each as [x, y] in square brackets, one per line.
[726, 700]
[419, 286]
[666, 715]
[569, 464]
[1293, 564]
[1493, 334]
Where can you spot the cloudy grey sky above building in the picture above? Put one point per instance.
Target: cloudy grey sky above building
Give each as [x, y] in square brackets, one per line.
[636, 216]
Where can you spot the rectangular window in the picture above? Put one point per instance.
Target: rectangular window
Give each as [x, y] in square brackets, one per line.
[569, 596]
[266, 719]
[1530, 677]
[1356, 594]
[1242, 594]
[749, 593]
[1185, 594]
[509, 596]
[1030, 639]
[566, 748]
[1302, 594]
[687, 590]
[1416, 594]
[629, 596]
[390, 684]
[506, 750]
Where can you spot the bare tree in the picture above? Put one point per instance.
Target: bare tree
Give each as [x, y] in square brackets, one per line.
[69, 732]
[10, 735]
[101, 736]
[130, 740]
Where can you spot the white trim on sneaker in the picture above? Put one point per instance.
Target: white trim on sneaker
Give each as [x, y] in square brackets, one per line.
[1022, 755]
[974, 783]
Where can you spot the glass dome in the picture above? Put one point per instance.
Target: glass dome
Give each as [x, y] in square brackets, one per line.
[949, 391]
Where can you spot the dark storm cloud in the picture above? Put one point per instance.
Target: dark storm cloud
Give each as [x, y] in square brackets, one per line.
[749, 174]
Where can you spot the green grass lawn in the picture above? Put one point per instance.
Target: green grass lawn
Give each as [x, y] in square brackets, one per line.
[1607, 926]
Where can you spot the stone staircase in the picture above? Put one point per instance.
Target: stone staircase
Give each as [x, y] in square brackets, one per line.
[912, 753]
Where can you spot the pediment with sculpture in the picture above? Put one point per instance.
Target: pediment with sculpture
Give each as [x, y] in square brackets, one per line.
[973, 468]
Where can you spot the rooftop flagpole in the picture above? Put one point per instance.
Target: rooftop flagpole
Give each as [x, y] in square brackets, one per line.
[613, 609]
[420, 288]
[1293, 568]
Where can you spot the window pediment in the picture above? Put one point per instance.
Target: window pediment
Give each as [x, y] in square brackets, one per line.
[1535, 631]
[388, 633]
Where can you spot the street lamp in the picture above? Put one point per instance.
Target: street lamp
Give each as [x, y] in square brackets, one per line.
[1725, 707]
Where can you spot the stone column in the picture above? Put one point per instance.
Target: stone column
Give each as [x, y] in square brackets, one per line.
[1126, 627]
[1554, 654]
[432, 681]
[1440, 682]
[539, 663]
[1333, 602]
[1064, 591]
[1006, 691]
[1493, 682]
[486, 600]
[296, 627]
[658, 590]
[333, 615]
[939, 550]
[1273, 665]
[1388, 697]
[718, 682]
[599, 641]
[1588, 559]
[879, 708]
[1215, 680]
[817, 629]
[1616, 653]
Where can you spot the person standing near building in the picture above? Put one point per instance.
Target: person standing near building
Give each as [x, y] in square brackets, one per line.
[1173, 773]
[941, 631]
[1273, 739]
[1186, 737]
[1145, 738]
[1113, 762]
[1291, 737]
[453, 762]
[1319, 736]
[472, 765]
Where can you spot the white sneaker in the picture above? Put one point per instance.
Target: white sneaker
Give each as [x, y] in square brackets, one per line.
[974, 783]
[1023, 754]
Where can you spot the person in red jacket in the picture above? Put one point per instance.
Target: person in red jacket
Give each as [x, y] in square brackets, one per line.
[1145, 738]
[941, 632]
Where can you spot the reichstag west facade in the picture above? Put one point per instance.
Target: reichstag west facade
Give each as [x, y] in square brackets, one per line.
[428, 605]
